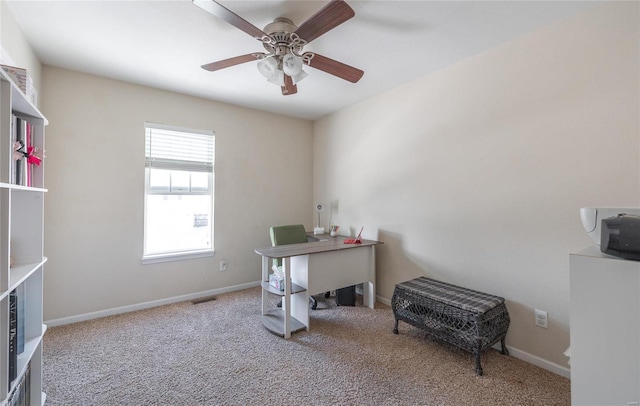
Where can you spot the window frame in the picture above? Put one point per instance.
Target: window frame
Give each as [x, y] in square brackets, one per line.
[172, 164]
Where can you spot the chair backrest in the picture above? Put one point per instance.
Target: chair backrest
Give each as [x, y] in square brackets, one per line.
[283, 235]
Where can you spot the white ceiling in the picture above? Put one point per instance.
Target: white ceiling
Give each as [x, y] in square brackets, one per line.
[163, 44]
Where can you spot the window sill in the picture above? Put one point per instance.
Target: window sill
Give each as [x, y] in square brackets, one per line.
[154, 259]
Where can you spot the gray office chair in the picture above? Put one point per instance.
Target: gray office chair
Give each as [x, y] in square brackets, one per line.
[290, 234]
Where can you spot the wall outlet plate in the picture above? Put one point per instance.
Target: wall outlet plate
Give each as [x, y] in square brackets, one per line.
[541, 318]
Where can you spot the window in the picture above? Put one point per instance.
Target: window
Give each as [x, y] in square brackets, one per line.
[179, 184]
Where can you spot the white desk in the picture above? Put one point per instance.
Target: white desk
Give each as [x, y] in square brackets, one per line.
[312, 268]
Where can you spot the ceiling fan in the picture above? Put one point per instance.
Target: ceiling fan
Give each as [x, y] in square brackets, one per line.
[282, 63]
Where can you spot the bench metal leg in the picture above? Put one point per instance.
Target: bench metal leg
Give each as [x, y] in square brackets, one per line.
[478, 367]
[478, 352]
[395, 329]
[505, 351]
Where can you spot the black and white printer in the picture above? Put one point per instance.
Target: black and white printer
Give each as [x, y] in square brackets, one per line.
[615, 230]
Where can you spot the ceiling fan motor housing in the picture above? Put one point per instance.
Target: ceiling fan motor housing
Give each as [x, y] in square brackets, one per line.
[282, 38]
[280, 25]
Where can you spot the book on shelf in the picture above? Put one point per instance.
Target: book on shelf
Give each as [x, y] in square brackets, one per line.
[21, 291]
[15, 175]
[16, 329]
[22, 133]
[21, 394]
[13, 336]
[22, 79]
[28, 145]
[18, 148]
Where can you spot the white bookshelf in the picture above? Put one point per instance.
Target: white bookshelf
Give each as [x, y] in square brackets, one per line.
[21, 249]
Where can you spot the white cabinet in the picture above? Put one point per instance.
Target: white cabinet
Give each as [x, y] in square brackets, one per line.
[21, 250]
[605, 329]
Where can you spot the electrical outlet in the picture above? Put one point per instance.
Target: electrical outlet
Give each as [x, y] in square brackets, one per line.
[223, 265]
[541, 318]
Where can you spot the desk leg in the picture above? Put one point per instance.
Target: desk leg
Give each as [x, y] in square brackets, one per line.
[300, 301]
[265, 277]
[286, 300]
[300, 308]
[369, 288]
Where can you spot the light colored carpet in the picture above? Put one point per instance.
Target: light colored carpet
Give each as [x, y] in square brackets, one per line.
[218, 353]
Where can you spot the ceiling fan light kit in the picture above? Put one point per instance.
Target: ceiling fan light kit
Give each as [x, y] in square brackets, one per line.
[283, 63]
[273, 68]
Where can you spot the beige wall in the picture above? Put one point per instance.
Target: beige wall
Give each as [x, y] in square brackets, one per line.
[95, 177]
[475, 175]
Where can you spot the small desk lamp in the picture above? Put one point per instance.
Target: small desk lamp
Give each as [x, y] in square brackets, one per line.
[319, 209]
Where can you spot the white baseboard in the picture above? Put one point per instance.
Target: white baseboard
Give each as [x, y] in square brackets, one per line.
[539, 362]
[522, 355]
[147, 305]
[383, 300]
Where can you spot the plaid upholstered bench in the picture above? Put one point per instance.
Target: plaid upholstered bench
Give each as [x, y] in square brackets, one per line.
[470, 320]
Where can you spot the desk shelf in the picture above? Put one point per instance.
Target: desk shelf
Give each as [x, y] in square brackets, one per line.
[273, 320]
[294, 289]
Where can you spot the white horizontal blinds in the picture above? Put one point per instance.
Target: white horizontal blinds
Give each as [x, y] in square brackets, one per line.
[179, 149]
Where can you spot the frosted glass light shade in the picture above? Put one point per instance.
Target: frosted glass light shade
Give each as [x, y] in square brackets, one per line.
[299, 76]
[291, 64]
[277, 78]
[268, 67]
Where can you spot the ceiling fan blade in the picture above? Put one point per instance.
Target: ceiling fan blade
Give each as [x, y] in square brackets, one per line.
[225, 63]
[289, 87]
[230, 17]
[326, 19]
[334, 67]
